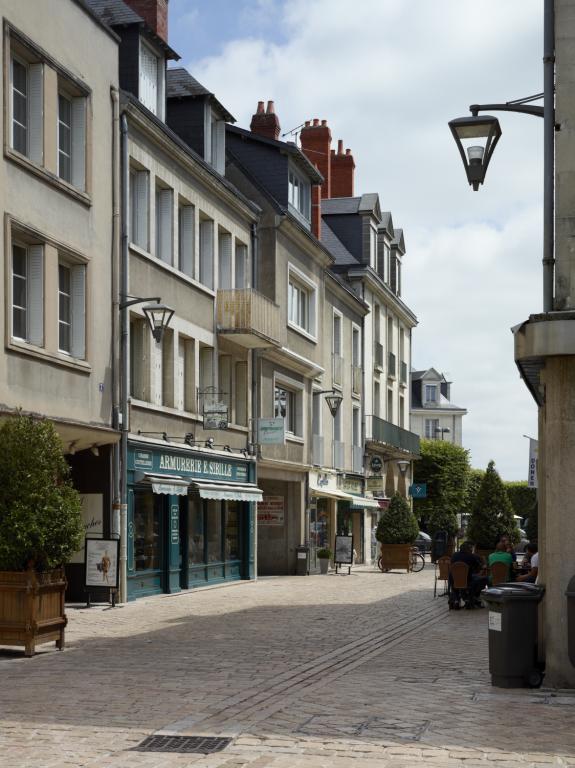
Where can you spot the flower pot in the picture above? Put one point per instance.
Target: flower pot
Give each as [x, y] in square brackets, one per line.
[32, 608]
[396, 556]
[323, 564]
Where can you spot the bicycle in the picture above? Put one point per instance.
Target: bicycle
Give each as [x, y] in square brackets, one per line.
[417, 562]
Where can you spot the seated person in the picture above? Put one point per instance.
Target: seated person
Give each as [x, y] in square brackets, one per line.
[508, 546]
[475, 582]
[531, 576]
[501, 556]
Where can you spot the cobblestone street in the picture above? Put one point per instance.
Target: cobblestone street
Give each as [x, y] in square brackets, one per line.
[363, 670]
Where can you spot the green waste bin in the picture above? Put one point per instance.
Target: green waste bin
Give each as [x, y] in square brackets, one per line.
[302, 561]
[512, 616]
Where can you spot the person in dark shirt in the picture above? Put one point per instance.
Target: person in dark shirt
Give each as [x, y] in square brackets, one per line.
[475, 581]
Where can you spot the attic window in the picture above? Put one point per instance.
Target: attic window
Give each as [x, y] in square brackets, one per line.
[151, 91]
[299, 195]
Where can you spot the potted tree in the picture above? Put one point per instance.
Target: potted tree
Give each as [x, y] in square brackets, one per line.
[40, 529]
[396, 531]
[491, 514]
[324, 556]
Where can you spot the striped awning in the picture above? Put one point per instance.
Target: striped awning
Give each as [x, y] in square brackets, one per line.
[227, 491]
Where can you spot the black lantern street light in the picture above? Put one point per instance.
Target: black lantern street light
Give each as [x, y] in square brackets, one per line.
[333, 400]
[481, 134]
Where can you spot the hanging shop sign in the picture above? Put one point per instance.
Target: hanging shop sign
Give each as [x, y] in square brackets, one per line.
[418, 490]
[376, 464]
[374, 484]
[197, 466]
[271, 431]
[351, 485]
[215, 416]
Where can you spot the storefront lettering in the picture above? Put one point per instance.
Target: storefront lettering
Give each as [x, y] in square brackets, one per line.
[195, 466]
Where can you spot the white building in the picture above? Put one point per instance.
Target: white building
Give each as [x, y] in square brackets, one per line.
[433, 415]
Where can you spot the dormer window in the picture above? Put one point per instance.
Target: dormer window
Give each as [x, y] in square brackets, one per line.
[214, 140]
[152, 73]
[299, 195]
[431, 394]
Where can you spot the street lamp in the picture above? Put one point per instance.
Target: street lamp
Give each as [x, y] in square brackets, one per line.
[487, 129]
[442, 431]
[403, 465]
[333, 400]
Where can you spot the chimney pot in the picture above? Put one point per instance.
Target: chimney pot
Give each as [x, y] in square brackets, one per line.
[270, 110]
[340, 147]
[324, 122]
[307, 123]
[260, 110]
[333, 152]
[315, 121]
[348, 151]
[154, 13]
[266, 123]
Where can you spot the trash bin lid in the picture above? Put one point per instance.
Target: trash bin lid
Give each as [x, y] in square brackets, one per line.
[514, 590]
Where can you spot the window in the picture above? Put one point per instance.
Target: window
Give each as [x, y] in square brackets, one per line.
[168, 368]
[72, 139]
[395, 275]
[241, 265]
[214, 140]
[186, 375]
[373, 247]
[207, 252]
[299, 195]
[206, 378]
[301, 302]
[151, 92]
[27, 106]
[28, 293]
[72, 309]
[382, 258]
[401, 411]
[356, 427]
[336, 334]
[337, 360]
[164, 228]
[390, 405]
[139, 208]
[355, 347]
[139, 359]
[225, 382]
[431, 428]
[376, 398]
[224, 259]
[186, 244]
[285, 405]
[241, 394]
[430, 393]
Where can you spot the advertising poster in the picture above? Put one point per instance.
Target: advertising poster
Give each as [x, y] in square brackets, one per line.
[102, 563]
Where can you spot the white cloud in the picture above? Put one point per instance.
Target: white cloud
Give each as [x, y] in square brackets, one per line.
[388, 75]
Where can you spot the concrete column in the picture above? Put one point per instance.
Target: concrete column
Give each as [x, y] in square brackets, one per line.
[557, 520]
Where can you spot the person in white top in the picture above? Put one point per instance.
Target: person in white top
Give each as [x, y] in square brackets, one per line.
[531, 575]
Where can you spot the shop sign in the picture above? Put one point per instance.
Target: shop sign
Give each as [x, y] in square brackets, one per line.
[374, 484]
[92, 519]
[350, 485]
[418, 490]
[143, 460]
[271, 510]
[175, 523]
[319, 481]
[376, 464]
[215, 416]
[101, 558]
[271, 431]
[195, 465]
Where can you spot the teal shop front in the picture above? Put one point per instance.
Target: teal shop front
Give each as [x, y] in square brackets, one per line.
[191, 519]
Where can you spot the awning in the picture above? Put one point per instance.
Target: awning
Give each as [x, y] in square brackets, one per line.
[168, 485]
[330, 493]
[227, 491]
[360, 502]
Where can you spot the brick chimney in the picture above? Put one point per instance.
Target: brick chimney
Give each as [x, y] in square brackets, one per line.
[154, 13]
[266, 123]
[316, 144]
[342, 168]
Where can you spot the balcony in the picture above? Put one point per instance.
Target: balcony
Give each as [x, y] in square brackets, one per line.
[391, 365]
[317, 450]
[358, 459]
[252, 319]
[378, 355]
[337, 370]
[356, 379]
[338, 455]
[380, 431]
[403, 374]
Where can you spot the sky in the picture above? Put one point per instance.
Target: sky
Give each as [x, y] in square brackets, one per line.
[388, 75]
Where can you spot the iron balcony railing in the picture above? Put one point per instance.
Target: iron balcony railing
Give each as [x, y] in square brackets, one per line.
[356, 379]
[380, 431]
[391, 364]
[252, 317]
[337, 370]
[378, 355]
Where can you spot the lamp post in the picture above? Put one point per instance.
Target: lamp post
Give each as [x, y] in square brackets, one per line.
[485, 132]
[333, 400]
[442, 431]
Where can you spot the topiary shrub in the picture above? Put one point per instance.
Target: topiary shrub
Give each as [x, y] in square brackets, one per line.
[40, 510]
[532, 524]
[397, 524]
[492, 513]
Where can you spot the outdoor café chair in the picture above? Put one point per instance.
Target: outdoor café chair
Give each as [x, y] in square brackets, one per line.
[442, 574]
[458, 588]
[498, 573]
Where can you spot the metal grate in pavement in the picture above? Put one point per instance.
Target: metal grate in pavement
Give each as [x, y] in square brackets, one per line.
[204, 745]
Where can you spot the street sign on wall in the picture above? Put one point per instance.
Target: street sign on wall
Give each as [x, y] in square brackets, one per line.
[271, 431]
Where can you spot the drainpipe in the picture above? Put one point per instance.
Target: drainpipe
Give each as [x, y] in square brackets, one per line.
[124, 362]
[548, 152]
[255, 388]
[115, 350]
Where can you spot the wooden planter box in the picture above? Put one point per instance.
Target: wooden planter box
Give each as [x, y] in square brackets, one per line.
[32, 608]
[396, 556]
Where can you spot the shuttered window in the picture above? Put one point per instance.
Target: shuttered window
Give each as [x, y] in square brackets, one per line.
[241, 398]
[149, 66]
[164, 229]
[28, 293]
[72, 309]
[27, 109]
[64, 138]
[241, 265]
[139, 208]
[186, 239]
[207, 253]
[224, 260]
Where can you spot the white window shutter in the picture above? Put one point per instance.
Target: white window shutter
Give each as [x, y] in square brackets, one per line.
[79, 142]
[219, 161]
[141, 200]
[225, 260]
[180, 378]
[36, 112]
[36, 295]
[78, 310]
[241, 261]
[207, 133]
[207, 253]
[164, 236]
[187, 239]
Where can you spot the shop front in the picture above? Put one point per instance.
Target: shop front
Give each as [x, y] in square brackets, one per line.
[324, 499]
[191, 519]
[356, 516]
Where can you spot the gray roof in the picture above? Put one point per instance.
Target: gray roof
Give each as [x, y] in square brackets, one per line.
[387, 222]
[399, 241]
[334, 245]
[370, 202]
[180, 85]
[340, 205]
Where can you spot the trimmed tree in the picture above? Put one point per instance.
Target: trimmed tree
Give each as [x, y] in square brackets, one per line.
[492, 513]
[521, 496]
[532, 524]
[40, 510]
[472, 487]
[397, 524]
[444, 467]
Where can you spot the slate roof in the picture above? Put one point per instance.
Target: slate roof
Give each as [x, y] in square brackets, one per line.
[398, 241]
[340, 205]
[334, 245]
[180, 85]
